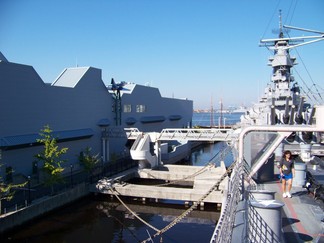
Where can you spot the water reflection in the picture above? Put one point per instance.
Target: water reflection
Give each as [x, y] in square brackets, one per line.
[104, 219]
[211, 152]
[159, 215]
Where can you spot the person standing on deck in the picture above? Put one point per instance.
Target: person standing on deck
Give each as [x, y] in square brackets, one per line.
[287, 172]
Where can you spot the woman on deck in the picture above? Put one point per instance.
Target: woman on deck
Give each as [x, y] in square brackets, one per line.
[287, 172]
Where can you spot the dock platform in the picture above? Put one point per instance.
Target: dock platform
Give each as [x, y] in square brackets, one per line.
[198, 180]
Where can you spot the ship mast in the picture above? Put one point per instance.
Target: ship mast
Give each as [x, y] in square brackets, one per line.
[282, 101]
[282, 62]
[280, 25]
[221, 113]
[211, 113]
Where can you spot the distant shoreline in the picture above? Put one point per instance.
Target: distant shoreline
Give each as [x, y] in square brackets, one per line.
[218, 111]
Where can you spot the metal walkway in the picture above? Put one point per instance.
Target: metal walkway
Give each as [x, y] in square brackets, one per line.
[246, 168]
[189, 134]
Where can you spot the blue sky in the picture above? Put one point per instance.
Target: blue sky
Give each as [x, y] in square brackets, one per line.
[195, 49]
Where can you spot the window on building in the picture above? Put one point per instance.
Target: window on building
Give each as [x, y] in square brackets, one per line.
[140, 108]
[128, 108]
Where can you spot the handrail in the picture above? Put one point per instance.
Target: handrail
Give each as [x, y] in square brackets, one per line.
[226, 220]
[189, 134]
[196, 134]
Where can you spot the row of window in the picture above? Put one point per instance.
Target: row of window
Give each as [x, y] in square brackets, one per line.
[139, 108]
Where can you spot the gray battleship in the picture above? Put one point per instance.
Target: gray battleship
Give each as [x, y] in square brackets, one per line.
[254, 208]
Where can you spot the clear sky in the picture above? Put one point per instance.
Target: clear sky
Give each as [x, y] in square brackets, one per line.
[202, 50]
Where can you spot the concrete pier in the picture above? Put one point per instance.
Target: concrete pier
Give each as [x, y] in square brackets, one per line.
[201, 178]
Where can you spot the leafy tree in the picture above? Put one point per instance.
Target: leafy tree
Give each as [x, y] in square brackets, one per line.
[7, 191]
[88, 160]
[51, 157]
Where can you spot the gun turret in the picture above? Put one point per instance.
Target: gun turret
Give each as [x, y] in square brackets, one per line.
[311, 116]
[285, 117]
[292, 113]
[291, 138]
[273, 115]
[299, 115]
[308, 136]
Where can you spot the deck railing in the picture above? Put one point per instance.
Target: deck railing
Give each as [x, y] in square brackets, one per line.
[224, 228]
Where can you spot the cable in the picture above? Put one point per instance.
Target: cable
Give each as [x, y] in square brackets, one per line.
[131, 211]
[309, 91]
[309, 75]
[202, 170]
[194, 206]
[185, 213]
[293, 11]
[273, 14]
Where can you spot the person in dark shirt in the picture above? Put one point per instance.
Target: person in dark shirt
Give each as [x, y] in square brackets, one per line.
[287, 172]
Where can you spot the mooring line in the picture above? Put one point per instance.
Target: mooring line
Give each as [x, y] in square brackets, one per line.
[185, 213]
[202, 170]
[189, 210]
[131, 211]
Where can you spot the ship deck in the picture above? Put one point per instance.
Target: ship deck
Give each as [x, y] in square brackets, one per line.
[302, 215]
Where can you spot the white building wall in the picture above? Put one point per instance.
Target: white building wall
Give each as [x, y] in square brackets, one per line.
[27, 104]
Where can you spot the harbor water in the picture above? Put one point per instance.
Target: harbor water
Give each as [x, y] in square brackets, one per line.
[101, 218]
[208, 119]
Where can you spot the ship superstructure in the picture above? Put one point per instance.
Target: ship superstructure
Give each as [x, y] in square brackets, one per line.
[281, 120]
[282, 101]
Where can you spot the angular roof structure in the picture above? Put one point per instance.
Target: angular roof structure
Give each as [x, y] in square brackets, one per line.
[70, 77]
[3, 58]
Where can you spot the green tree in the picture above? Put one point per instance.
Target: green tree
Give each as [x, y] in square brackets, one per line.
[51, 157]
[7, 191]
[88, 160]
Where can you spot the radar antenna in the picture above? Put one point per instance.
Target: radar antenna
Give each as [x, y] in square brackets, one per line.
[292, 40]
[315, 38]
[116, 88]
[281, 35]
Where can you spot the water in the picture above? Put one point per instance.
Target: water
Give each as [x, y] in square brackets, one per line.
[210, 153]
[104, 219]
[215, 119]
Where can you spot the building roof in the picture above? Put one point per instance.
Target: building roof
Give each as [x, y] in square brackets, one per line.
[70, 77]
[3, 58]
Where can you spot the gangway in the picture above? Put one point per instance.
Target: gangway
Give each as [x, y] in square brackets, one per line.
[189, 134]
[153, 159]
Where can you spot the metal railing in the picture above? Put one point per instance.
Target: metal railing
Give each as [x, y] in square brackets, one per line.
[189, 134]
[196, 134]
[37, 191]
[224, 228]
